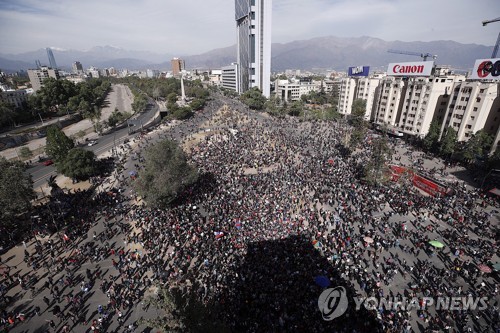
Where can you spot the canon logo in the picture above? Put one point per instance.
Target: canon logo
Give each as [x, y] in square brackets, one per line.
[408, 69]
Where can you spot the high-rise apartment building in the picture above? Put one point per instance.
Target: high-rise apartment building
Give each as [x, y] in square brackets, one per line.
[178, 66]
[473, 106]
[253, 24]
[38, 75]
[424, 99]
[52, 60]
[346, 96]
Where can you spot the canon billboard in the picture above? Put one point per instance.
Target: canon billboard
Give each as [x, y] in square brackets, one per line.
[418, 68]
[486, 69]
[359, 71]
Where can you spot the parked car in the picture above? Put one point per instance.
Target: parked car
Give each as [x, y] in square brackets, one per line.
[92, 142]
[48, 162]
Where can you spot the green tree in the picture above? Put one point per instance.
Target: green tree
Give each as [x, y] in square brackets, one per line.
[376, 169]
[331, 113]
[79, 164]
[197, 104]
[7, 114]
[254, 99]
[295, 108]
[181, 113]
[478, 145]
[172, 97]
[16, 191]
[115, 117]
[448, 143]
[25, 152]
[431, 140]
[358, 122]
[57, 144]
[166, 172]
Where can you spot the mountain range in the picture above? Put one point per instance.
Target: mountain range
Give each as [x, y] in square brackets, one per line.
[317, 53]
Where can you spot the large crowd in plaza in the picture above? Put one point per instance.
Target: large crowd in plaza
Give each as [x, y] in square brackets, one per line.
[278, 204]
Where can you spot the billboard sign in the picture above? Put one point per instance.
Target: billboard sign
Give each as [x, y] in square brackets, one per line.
[486, 69]
[417, 68]
[359, 71]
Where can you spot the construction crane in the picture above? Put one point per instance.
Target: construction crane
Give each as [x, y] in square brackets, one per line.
[495, 49]
[424, 56]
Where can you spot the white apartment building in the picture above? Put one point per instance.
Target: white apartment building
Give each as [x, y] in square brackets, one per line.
[473, 106]
[423, 100]
[346, 95]
[229, 77]
[292, 91]
[366, 89]
[392, 91]
[38, 75]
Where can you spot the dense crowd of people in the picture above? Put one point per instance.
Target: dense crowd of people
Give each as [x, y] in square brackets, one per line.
[288, 179]
[278, 203]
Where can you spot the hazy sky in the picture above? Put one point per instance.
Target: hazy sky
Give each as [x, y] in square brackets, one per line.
[196, 26]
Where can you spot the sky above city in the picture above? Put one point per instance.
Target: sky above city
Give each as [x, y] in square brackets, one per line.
[190, 27]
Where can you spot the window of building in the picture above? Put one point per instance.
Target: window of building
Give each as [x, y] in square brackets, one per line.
[472, 117]
[468, 126]
[475, 109]
[478, 99]
[481, 91]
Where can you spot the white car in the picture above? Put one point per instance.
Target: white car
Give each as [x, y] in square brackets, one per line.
[91, 143]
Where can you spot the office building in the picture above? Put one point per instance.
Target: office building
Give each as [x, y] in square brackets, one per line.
[52, 60]
[292, 91]
[16, 98]
[178, 66]
[38, 75]
[253, 25]
[229, 77]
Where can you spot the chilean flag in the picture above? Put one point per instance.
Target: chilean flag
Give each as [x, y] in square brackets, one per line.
[218, 234]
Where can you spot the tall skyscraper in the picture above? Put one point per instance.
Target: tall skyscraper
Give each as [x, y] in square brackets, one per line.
[177, 66]
[77, 67]
[52, 60]
[253, 24]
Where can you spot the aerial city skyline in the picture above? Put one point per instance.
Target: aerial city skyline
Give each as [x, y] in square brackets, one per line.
[27, 25]
[310, 173]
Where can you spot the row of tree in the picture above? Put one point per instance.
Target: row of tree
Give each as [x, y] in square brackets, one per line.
[475, 151]
[59, 97]
[315, 105]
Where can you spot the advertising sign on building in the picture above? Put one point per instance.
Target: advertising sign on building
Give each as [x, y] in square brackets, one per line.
[486, 69]
[418, 68]
[359, 71]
